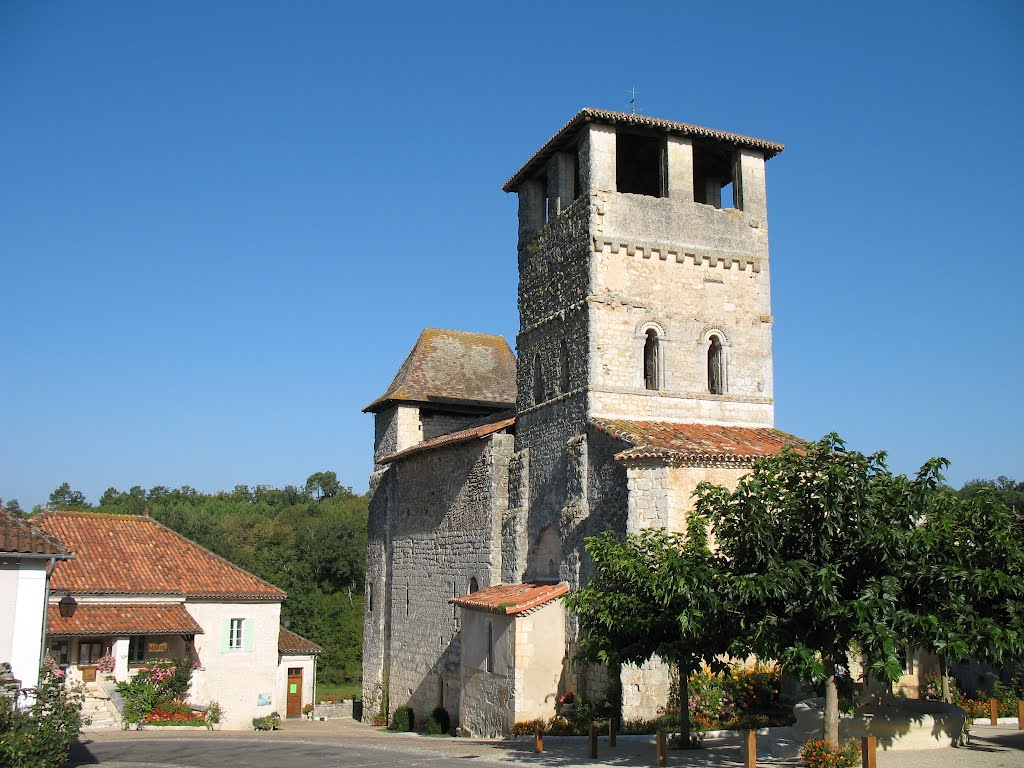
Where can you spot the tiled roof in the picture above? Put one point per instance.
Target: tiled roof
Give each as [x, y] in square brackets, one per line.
[289, 642]
[586, 115]
[454, 367]
[131, 554]
[476, 431]
[122, 619]
[697, 444]
[512, 599]
[21, 537]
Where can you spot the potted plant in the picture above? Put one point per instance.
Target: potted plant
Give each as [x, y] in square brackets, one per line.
[567, 703]
[307, 710]
[214, 714]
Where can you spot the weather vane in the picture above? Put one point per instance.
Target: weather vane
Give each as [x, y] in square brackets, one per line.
[632, 100]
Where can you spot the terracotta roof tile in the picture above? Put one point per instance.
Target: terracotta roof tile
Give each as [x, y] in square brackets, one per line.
[567, 134]
[122, 619]
[512, 599]
[131, 554]
[289, 642]
[477, 431]
[22, 537]
[454, 367]
[696, 444]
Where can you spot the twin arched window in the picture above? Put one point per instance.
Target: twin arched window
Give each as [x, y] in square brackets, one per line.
[652, 363]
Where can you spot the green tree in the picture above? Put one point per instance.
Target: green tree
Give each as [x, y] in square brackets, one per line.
[963, 590]
[816, 543]
[66, 498]
[324, 485]
[655, 594]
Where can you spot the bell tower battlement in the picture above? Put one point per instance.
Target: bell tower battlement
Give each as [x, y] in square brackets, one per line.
[644, 278]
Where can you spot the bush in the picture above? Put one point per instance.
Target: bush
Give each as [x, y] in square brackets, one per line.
[155, 686]
[268, 723]
[40, 735]
[439, 721]
[820, 753]
[754, 689]
[403, 719]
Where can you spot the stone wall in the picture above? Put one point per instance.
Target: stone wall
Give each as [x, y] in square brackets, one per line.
[488, 706]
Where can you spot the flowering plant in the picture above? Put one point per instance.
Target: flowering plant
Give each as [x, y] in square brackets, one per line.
[821, 753]
[567, 698]
[307, 708]
[105, 664]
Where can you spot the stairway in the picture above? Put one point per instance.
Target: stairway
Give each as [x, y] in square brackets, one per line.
[98, 709]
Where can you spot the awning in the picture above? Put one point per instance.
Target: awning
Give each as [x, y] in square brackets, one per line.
[122, 619]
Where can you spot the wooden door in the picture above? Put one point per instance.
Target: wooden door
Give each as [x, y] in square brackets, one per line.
[294, 692]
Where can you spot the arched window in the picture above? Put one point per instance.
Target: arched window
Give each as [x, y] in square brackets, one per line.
[538, 381]
[651, 373]
[563, 370]
[473, 585]
[716, 366]
[490, 647]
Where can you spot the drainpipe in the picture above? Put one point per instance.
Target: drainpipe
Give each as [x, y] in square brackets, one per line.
[50, 565]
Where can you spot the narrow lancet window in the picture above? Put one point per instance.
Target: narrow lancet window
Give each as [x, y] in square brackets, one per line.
[490, 647]
[651, 377]
[716, 367]
[538, 381]
[563, 371]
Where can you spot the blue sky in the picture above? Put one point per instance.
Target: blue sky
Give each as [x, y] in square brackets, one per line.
[223, 225]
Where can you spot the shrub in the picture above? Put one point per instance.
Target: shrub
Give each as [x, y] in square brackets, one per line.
[1006, 695]
[403, 719]
[214, 713]
[40, 735]
[439, 721]
[268, 723]
[820, 753]
[754, 689]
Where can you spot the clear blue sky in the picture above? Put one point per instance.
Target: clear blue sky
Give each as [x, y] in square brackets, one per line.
[223, 224]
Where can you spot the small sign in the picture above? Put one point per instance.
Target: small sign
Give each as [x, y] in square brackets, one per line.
[263, 700]
[293, 688]
[156, 647]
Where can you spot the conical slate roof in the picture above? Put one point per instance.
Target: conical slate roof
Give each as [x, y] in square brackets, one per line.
[454, 367]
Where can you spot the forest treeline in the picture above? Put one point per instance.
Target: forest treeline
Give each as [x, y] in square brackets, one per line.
[309, 541]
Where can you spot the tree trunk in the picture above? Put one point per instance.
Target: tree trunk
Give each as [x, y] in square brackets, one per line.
[944, 677]
[684, 707]
[831, 702]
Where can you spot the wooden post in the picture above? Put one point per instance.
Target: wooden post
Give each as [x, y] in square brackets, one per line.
[538, 739]
[1020, 715]
[993, 711]
[593, 740]
[613, 728]
[659, 748]
[750, 749]
[868, 752]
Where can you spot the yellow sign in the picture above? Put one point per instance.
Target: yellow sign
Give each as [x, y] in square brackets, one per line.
[156, 647]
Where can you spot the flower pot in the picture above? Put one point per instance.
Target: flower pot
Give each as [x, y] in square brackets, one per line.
[569, 708]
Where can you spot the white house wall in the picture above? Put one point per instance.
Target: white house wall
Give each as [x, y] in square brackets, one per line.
[22, 602]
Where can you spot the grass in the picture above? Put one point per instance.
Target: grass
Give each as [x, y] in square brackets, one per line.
[349, 690]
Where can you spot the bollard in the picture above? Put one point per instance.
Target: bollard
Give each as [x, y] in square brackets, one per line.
[750, 749]
[538, 739]
[868, 752]
[659, 748]
[613, 727]
[1020, 715]
[593, 740]
[993, 711]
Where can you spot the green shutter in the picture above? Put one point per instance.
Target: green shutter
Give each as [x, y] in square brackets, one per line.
[225, 633]
[247, 633]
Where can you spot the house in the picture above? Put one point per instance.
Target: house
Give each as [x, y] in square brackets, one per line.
[138, 592]
[28, 556]
[643, 368]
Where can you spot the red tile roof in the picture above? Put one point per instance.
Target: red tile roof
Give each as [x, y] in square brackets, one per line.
[512, 599]
[19, 536]
[136, 555]
[697, 444]
[454, 367]
[122, 619]
[289, 642]
[476, 431]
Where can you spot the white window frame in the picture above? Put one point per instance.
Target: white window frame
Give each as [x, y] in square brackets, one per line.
[236, 638]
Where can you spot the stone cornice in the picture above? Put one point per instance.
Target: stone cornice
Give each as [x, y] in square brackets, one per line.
[675, 253]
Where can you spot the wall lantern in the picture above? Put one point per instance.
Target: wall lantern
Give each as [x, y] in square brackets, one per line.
[67, 606]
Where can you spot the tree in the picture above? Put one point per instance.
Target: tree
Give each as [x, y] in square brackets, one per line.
[816, 543]
[654, 594]
[324, 485]
[66, 498]
[963, 592]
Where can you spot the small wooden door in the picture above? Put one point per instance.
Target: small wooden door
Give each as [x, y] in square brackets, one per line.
[294, 691]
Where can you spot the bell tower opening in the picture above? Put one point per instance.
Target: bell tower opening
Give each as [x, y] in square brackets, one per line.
[640, 164]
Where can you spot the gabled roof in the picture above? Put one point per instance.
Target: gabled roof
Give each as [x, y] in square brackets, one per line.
[289, 642]
[567, 134]
[136, 555]
[512, 599]
[452, 367]
[477, 430]
[122, 619]
[697, 444]
[19, 536]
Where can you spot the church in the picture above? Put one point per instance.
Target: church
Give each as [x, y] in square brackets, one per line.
[643, 367]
